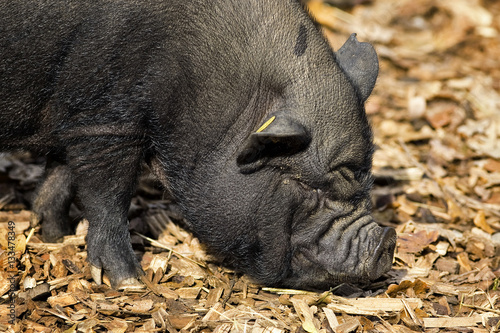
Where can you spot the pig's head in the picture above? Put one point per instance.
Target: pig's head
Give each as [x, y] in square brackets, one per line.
[290, 204]
[327, 156]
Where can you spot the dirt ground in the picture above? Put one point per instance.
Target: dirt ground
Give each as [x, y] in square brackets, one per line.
[436, 116]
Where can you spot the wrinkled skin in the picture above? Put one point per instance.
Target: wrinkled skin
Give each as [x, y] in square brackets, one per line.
[101, 87]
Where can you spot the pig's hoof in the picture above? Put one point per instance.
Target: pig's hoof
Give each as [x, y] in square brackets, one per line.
[126, 284]
[130, 284]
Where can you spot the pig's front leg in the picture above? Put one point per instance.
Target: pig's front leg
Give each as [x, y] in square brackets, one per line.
[105, 175]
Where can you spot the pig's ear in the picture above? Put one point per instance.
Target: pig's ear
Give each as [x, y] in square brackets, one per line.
[359, 61]
[279, 136]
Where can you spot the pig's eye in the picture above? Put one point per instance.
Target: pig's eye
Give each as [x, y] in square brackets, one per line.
[281, 137]
[347, 173]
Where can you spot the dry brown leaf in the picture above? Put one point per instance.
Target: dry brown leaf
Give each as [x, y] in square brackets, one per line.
[416, 242]
[418, 287]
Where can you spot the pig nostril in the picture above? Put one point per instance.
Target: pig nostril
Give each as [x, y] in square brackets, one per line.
[388, 242]
[384, 252]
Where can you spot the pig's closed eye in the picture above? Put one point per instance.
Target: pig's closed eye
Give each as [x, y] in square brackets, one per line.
[347, 173]
[352, 173]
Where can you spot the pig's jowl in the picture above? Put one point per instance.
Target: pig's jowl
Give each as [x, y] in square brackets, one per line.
[99, 87]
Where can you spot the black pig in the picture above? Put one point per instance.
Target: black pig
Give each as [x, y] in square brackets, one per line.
[99, 87]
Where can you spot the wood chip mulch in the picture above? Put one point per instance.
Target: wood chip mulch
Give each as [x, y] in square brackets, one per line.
[436, 117]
